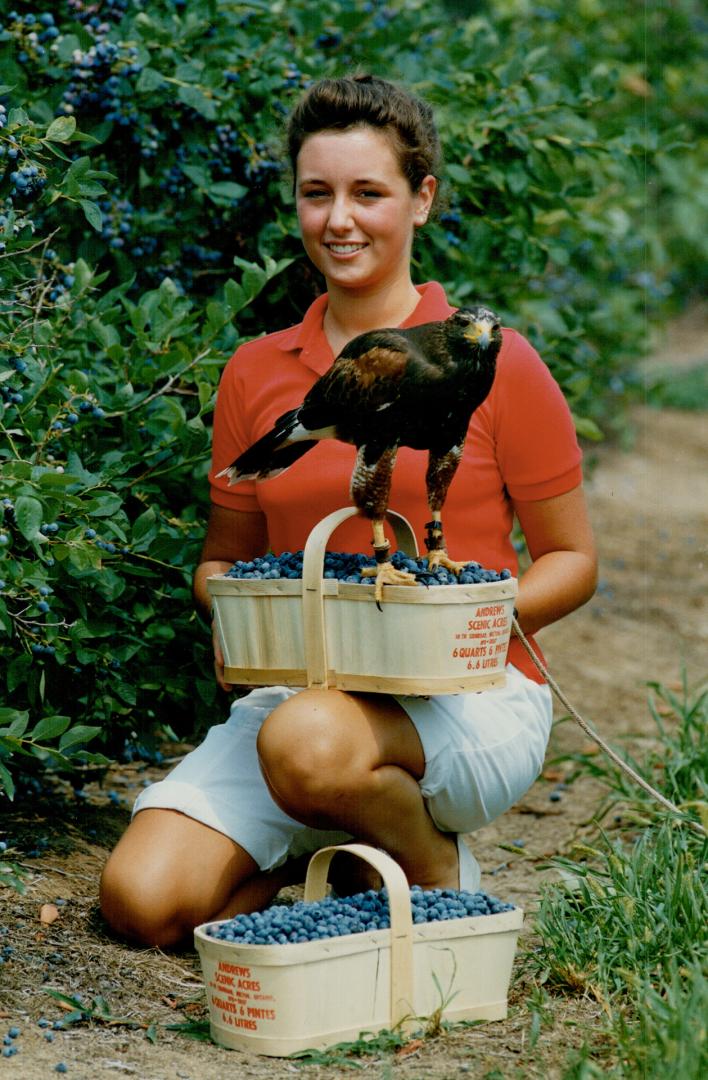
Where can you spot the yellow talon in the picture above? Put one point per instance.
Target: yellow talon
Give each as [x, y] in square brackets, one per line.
[386, 574]
[439, 557]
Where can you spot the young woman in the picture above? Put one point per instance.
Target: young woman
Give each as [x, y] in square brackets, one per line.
[293, 770]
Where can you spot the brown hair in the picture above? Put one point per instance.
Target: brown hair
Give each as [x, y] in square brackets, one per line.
[366, 99]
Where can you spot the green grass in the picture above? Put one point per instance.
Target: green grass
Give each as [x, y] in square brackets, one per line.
[680, 389]
[628, 922]
[630, 910]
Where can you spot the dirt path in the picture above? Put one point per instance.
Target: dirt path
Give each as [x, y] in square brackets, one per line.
[648, 620]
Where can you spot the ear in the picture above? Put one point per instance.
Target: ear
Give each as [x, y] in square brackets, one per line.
[424, 200]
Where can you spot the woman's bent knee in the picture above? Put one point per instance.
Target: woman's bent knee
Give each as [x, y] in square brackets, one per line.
[138, 908]
[307, 756]
[168, 874]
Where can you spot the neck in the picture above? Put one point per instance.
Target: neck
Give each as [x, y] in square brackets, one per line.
[348, 315]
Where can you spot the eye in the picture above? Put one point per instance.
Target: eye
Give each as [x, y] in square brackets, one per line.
[370, 193]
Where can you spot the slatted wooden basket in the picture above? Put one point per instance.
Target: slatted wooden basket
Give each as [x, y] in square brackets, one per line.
[441, 639]
[279, 999]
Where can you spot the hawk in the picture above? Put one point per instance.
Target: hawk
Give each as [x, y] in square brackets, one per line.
[415, 387]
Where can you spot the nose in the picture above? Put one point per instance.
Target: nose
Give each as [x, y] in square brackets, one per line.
[340, 214]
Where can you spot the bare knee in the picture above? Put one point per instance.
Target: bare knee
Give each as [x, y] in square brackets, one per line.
[307, 756]
[168, 874]
[136, 906]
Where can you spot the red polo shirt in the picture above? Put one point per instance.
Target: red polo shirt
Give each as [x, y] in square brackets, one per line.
[521, 444]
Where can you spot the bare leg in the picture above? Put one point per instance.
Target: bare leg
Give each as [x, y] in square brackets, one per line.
[168, 873]
[334, 760]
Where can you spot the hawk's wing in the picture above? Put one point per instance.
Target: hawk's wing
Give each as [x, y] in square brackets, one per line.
[366, 379]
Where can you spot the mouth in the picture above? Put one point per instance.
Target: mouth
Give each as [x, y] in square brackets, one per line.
[345, 249]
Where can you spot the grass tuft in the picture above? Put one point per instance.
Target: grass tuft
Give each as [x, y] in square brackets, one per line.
[628, 922]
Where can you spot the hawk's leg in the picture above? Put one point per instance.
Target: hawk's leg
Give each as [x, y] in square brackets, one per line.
[370, 487]
[441, 469]
[385, 571]
[437, 551]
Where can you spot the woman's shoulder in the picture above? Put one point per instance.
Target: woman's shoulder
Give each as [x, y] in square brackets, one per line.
[519, 363]
[516, 350]
[276, 341]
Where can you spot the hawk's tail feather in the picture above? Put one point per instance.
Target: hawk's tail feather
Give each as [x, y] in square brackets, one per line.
[271, 454]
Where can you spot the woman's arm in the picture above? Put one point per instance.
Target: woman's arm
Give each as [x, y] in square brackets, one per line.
[231, 535]
[563, 574]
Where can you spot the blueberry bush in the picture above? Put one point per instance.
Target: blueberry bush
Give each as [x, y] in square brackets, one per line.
[147, 226]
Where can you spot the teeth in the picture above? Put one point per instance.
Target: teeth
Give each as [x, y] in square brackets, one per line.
[345, 249]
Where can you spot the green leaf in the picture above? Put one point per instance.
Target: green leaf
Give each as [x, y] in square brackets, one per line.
[92, 213]
[235, 296]
[199, 176]
[61, 129]
[67, 46]
[81, 733]
[18, 117]
[85, 557]
[587, 428]
[226, 192]
[196, 99]
[28, 516]
[105, 505]
[458, 173]
[150, 80]
[50, 727]
[144, 529]
[5, 620]
[15, 722]
[105, 335]
[6, 782]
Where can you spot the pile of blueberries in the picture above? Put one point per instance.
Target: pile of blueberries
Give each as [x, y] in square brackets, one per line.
[283, 924]
[347, 567]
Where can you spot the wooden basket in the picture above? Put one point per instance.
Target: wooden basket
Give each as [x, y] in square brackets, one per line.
[441, 639]
[279, 999]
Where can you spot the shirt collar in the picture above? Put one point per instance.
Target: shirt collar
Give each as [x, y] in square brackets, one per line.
[308, 336]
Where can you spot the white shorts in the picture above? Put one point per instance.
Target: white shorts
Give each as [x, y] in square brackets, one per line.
[483, 751]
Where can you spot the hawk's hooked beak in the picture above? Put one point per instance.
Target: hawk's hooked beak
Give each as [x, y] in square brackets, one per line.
[480, 332]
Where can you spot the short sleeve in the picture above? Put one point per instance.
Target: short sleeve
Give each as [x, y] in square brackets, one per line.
[230, 438]
[536, 443]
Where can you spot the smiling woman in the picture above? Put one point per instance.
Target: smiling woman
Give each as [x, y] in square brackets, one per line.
[357, 213]
[291, 771]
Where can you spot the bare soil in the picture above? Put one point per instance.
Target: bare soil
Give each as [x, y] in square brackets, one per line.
[646, 623]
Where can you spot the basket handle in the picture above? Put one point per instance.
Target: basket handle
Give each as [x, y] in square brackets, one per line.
[401, 918]
[315, 642]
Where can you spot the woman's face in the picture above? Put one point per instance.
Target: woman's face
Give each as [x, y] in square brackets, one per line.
[356, 209]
